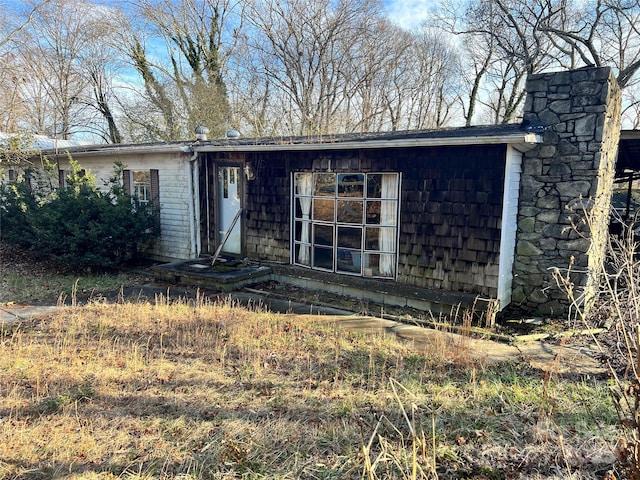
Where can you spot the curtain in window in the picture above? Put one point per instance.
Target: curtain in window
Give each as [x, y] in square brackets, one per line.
[388, 219]
[304, 184]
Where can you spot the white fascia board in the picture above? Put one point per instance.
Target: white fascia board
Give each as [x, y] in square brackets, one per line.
[522, 142]
[111, 151]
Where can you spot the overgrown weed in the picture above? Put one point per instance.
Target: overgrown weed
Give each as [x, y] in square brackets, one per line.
[172, 389]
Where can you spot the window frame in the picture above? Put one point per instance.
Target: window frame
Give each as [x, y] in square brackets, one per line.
[323, 204]
[145, 186]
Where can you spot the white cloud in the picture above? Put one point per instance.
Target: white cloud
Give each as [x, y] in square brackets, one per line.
[408, 14]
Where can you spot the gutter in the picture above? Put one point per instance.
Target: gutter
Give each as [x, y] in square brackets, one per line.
[522, 141]
[194, 219]
[108, 150]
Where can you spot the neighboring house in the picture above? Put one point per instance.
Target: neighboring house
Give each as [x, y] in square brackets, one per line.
[481, 211]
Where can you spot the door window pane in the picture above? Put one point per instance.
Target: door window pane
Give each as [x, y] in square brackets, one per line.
[351, 185]
[379, 265]
[301, 231]
[374, 185]
[349, 261]
[325, 185]
[372, 238]
[373, 212]
[302, 254]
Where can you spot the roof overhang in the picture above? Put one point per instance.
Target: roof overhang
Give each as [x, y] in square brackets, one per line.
[114, 150]
[511, 134]
[629, 150]
[523, 142]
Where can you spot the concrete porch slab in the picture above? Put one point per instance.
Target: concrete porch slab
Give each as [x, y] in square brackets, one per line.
[226, 277]
[235, 275]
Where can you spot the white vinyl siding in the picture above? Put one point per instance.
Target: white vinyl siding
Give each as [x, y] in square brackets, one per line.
[175, 201]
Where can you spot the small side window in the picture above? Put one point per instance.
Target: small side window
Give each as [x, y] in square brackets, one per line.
[142, 185]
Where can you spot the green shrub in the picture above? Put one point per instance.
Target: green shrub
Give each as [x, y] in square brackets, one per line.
[80, 226]
[17, 204]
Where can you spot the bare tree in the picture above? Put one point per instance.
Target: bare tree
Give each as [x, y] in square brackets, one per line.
[55, 52]
[377, 64]
[10, 29]
[307, 50]
[184, 83]
[434, 85]
[504, 43]
[12, 108]
[506, 40]
[631, 110]
[12, 77]
[597, 32]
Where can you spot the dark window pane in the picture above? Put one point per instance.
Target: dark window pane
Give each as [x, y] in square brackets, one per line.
[323, 258]
[323, 235]
[374, 185]
[349, 261]
[323, 210]
[373, 212]
[349, 237]
[325, 184]
[350, 211]
[351, 185]
[372, 239]
[302, 259]
[382, 185]
[379, 265]
[381, 239]
[301, 229]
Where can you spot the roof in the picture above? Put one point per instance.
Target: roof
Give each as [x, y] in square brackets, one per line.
[512, 134]
[41, 142]
[478, 135]
[629, 150]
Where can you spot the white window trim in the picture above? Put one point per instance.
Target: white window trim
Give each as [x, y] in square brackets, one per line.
[363, 251]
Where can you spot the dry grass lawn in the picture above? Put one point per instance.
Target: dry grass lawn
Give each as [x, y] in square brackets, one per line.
[194, 389]
[201, 390]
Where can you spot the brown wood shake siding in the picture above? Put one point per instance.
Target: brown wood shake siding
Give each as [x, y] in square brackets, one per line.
[450, 209]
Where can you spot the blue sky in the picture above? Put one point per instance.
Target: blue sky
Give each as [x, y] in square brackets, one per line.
[405, 13]
[408, 13]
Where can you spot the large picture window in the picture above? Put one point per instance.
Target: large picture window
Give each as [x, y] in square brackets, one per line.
[346, 222]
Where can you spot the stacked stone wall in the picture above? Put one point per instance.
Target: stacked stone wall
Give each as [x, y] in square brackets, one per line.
[566, 185]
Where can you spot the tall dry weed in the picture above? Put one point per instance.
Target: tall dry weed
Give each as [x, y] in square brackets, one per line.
[616, 310]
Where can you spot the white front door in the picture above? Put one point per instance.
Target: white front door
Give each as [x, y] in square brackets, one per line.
[228, 207]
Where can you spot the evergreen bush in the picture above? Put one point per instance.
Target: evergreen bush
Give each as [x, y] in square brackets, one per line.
[80, 226]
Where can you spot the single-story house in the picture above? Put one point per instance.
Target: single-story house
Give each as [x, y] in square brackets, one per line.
[413, 218]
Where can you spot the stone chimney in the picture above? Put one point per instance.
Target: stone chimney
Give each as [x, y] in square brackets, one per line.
[566, 185]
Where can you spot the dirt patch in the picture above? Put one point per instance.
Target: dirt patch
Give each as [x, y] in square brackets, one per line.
[30, 278]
